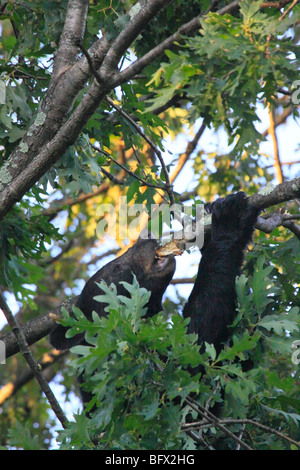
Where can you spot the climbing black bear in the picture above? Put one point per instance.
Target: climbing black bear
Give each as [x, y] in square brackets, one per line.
[212, 302]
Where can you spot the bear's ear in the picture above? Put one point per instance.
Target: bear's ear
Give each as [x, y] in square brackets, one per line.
[145, 234]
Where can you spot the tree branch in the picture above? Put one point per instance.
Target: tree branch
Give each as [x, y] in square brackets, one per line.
[168, 186]
[73, 31]
[211, 418]
[269, 223]
[272, 133]
[146, 12]
[280, 119]
[24, 348]
[186, 155]
[200, 425]
[35, 329]
[131, 173]
[185, 30]
[281, 193]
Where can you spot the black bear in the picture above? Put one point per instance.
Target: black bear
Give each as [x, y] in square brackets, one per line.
[152, 272]
[212, 302]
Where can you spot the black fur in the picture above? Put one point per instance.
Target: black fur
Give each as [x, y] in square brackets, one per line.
[211, 305]
[153, 274]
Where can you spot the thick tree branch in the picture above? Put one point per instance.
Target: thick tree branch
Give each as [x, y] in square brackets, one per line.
[283, 192]
[73, 31]
[185, 30]
[145, 12]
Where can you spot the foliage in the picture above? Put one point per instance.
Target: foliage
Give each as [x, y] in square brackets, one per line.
[139, 371]
[224, 76]
[227, 67]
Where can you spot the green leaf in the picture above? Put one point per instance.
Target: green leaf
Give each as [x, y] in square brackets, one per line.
[209, 348]
[250, 9]
[240, 345]
[260, 285]
[280, 413]
[149, 411]
[22, 437]
[162, 98]
[133, 190]
[281, 324]
[109, 297]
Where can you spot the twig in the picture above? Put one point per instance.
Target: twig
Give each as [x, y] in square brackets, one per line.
[215, 421]
[293, 227]
[279, 4]
[168, 186]
[251, 422]
[131, 173]
[24, 348]
[295, 162]
[186, 155]
[111, 177]
[287, 11]
[134, 27]
[36, 328]
[272, 133]
[281, 193]
[276, 219]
